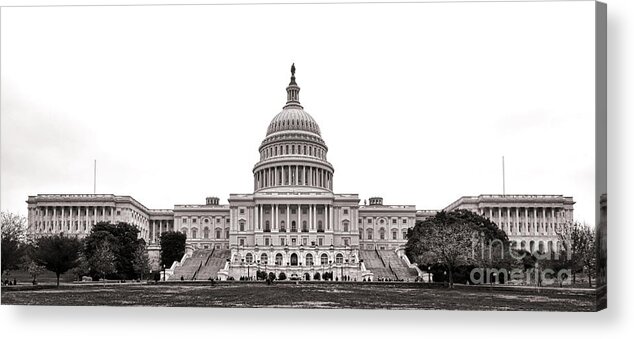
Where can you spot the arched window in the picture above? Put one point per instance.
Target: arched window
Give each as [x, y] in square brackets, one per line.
[282, 226]
[293, 226]
[184, 231]
[339, 258]
[206, 233]
[370, 232]
[249, 258]
[267, 226]
[360, 234]
[278, 259]
[320, 226]
[324, 259]
[264, 258]
[382, 234]
[309, 259]
[241, 226]
[345, 226]
[404, 235]
[304, 226]
[550, 246]
[218, 231]
[194, 233]
[394, 234]
[226, 233]
[294, 261]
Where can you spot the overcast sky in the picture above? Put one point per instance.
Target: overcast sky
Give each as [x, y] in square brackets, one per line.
[416, 102]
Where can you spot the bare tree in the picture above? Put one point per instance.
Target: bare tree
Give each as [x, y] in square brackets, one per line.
[13, 241]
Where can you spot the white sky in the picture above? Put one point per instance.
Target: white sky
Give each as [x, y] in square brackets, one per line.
[417, 102]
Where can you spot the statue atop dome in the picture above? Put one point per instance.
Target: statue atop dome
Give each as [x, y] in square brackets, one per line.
[293, 69]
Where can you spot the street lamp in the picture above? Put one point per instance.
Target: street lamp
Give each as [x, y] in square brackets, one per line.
[163, 272]
[257, 277]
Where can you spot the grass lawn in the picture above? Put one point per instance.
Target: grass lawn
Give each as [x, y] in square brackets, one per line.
[303, 295]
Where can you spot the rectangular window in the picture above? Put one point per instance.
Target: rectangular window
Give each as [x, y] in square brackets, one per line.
[184, 220]
[369, 220]
[282, 241]
[320, 241]
[304, 241]
[346, 241]
[394, 221]
[293, 241]
[404, 221]
[345, 211]
[241, 242]
[193, 220]
[360, 221]
[242, 211]
[267, 241]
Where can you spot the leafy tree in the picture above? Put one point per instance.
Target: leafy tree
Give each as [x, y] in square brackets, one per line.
[35, 270]
[172, 247]
[13, 241]
[458, 238]
[82, 268]
[317, 276]
[103, 260]
[57, 253]
[123, 241]
[141, 261]
[282, 276]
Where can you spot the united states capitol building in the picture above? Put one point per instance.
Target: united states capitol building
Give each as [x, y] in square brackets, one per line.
[293, 222]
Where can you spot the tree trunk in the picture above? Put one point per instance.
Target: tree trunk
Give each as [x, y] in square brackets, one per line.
[590, 280]
[57, 279]
[450, 278]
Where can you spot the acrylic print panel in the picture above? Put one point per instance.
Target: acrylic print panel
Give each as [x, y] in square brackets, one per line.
[191, 151]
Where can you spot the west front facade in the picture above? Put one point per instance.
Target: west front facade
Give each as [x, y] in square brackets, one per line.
[293, 223]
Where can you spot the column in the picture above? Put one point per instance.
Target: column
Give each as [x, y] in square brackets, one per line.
[508, 219]
[310, 217]
[299, 217]
[526, 221]
[288, 216]
[275, 216]
[94, 209]
[296, 175]
[256, 211]
[331, 216]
